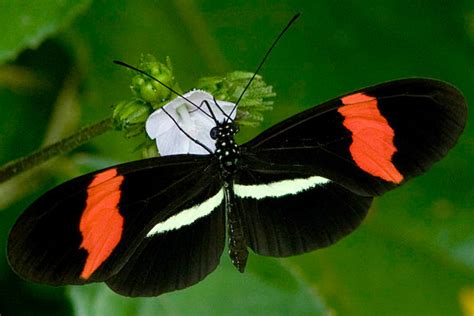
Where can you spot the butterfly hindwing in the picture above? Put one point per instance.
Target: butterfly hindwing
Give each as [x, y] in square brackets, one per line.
[174, 259]
[286, 213]
[371, 140]
[87, 229]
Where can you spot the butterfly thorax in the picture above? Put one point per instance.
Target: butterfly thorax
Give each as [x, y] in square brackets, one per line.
[227, 151]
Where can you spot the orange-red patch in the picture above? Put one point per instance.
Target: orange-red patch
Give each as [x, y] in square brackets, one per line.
[372, 145]
[101, 223]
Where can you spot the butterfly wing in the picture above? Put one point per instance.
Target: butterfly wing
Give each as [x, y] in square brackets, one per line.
[89, 228]
[371, 140]
[174, 259]
[286, 213]
[308, 181]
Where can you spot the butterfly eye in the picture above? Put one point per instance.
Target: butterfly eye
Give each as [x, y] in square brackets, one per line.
[213, 132]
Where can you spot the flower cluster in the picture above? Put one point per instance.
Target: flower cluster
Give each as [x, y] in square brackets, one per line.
[152, 101]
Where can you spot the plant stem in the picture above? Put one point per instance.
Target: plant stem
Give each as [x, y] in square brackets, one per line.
[17, 166]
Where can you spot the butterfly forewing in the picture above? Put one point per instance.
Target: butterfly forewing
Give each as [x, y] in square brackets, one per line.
[371, 140]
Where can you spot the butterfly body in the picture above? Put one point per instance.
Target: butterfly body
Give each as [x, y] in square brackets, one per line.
[228, 154]
[158, 225]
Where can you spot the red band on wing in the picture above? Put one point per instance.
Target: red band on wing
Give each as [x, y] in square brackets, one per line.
[372, 145]
[101, 223]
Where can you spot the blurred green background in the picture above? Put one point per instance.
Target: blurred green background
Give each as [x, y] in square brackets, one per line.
[414, 254]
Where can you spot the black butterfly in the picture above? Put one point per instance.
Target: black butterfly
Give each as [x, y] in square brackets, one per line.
[159, 225]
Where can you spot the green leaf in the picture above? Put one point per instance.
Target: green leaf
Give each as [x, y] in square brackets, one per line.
[25, 24]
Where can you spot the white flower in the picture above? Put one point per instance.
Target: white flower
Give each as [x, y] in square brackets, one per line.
[170, 140]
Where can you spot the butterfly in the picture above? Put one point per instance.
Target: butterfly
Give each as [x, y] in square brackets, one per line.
[158, 225]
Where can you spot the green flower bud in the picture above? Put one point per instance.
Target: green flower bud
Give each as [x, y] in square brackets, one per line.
[148, 89]
[148, 92]
[130, 116]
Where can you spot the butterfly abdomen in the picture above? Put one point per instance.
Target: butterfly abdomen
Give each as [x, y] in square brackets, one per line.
[237, 243]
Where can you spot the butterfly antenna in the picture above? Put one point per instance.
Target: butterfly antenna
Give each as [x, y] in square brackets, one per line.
[121, 63]
[211, 111]
[227, 117]
[293, 19]
[213, 116]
